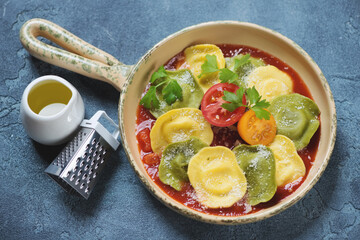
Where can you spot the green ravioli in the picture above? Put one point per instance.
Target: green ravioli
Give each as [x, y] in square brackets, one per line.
[243, 70]
[258, 164]
[175, 160]
[296, 117]
[191, 93]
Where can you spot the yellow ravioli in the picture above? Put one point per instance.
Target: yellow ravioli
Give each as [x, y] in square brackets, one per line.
[216, 177]
[195, 57]
[289, 165]
[270, 82]
[179, 125]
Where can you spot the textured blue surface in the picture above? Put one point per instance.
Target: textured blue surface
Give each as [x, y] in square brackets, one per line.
[32, 206]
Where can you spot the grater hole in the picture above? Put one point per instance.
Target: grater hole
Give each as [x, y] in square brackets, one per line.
[97, 165]
[102, 161]
[95, 153]
[93, 141]
[84, 176]
[77, 160]
[92, 162]
[84, 155]
[104, 152]
[94, 176]
[82, 163]
[97, 144]
[77, 181]
[88, 159]
[72, 177]
[98, 157]
[86, 167]
[88, 181]
[75, 168]
[87, 189]
[101, 148]
[91, 150]
[90, 171]
[82, 185]
[80, 172]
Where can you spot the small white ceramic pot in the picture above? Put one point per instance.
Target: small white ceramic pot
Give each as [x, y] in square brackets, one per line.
[51, 110]
[83, 58]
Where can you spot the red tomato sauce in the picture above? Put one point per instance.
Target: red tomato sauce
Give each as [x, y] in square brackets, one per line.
[227, 137]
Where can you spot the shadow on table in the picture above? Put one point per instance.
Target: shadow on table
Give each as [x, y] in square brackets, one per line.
[47, 153]
[85, 208]
[300, 219]
[80, 206]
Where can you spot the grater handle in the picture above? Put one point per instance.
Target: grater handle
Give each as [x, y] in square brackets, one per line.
[93, 122]
[100, 114]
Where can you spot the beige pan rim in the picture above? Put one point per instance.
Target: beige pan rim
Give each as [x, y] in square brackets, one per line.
[84, 58]
[230, 32]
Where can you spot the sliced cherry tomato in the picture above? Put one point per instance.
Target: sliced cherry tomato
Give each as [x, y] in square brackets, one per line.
[143, 138]
[256, 131]
[211, 106]
[152, 159]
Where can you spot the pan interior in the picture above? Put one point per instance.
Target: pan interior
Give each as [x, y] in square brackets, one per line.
[230, 33]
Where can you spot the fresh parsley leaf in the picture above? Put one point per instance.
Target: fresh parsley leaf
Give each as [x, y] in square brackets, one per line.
[150, 100]
[256, 104]
[227, 76]
[234, 99]
[263, 104]
[230, 97]
[252, 95]
[209, 66]
[253, 98]
[160, 73]
[172, 91]
[230, 106]
[240, 92]
[261, 113]
[243, 60]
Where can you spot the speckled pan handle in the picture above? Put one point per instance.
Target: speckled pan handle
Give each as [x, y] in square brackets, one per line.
[77, 55]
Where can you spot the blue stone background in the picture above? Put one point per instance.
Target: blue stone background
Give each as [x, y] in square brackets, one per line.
[32, 206]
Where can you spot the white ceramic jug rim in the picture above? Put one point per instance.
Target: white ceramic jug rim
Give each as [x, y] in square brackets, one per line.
[38, 80]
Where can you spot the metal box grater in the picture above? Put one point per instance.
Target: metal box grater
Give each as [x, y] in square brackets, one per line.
[78, 167]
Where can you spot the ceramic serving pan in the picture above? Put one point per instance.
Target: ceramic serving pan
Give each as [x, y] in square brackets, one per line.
[83, 58]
